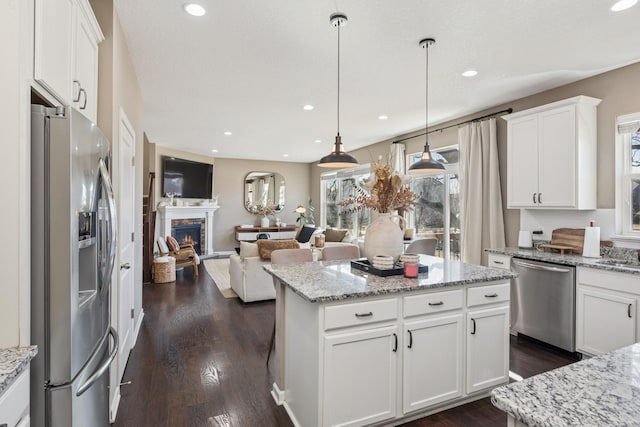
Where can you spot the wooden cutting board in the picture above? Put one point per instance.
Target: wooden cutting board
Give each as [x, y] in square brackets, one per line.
[570, 240]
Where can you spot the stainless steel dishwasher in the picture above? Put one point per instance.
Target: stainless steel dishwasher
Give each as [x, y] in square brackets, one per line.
[543, 302]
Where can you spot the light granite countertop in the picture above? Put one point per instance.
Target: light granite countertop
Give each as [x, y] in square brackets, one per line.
[12, 362]
[602, 391]
[337, 280]
[575, 260]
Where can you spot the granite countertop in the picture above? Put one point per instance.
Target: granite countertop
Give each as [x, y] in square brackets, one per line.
[604, 390]
[575, 260]
[336, 280]
[12, 362]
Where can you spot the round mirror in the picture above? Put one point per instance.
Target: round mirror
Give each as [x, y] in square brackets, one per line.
[263, 190]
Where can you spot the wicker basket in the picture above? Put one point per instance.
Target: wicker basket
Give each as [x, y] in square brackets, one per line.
[164, 270]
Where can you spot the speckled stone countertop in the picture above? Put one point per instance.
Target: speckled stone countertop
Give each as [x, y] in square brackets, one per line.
[602, 391]
[12, 362]
[336, 280]
[576, 260]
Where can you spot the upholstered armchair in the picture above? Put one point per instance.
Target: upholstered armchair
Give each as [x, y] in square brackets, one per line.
[185, 255]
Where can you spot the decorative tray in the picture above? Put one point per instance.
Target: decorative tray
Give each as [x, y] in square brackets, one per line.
[365, 265]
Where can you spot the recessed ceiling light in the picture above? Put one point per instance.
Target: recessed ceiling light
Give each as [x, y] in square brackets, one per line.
[623, 5]
[228, 133]
[194, 9]
[308, 107]
[318, 141]
[470, 73]
[285, 155]
[383, 117]
[214, 150]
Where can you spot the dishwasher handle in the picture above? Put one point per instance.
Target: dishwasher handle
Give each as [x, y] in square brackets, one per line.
[540, 267]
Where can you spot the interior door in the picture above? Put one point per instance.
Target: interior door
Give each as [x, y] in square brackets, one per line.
[126, 216]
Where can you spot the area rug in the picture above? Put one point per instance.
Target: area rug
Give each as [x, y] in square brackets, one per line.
[218, 269]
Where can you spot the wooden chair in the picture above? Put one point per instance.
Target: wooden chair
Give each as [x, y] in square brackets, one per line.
[286, 256]
[186, 256]
[422, 246]
[333, 253]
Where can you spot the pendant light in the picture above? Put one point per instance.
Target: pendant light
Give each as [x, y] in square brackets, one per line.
[426, 164]
[338, 158]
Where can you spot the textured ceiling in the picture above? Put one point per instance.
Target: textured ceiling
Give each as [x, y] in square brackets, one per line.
[250, 66]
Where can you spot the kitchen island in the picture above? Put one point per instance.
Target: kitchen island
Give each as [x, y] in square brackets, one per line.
[602, 391]
[356, 349]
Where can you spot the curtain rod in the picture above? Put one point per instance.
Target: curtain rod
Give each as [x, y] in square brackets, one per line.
[486, 116]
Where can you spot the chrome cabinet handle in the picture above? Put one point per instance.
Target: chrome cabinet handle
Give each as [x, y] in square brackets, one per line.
[629, 311]
[77, 97]
[436, 303]
[473, 323]
[499, 262]
[540, 198]
[534, 197]
[84, 104]
[395, 348]
[410, 339]
[361, 315]
[493, 295]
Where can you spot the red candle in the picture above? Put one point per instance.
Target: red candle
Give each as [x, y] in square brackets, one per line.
[411, 269]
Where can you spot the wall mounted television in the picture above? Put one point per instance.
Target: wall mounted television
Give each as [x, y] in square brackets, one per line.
[186, 178]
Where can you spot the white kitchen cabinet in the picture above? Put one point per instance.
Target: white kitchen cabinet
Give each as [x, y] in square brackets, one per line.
[67, 35]
[360, 376]
[499, 261]
[14, 403]
[433, 342]
[551, 155]
[606, 311]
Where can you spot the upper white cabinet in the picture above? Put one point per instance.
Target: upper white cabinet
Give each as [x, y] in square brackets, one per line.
[551, 155]
[66, 52]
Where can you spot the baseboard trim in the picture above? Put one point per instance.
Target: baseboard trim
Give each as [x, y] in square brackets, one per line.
[137, 330]
[277, 394]
[113, 407]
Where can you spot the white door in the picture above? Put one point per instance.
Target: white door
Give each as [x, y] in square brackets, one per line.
[432, 369]
[487, 348]
[360, 377]
[605, 321]
[126, 193]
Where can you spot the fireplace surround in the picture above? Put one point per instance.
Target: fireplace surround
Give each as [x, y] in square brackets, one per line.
[170, 216]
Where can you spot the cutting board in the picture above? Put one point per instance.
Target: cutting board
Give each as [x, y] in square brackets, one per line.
[570, 240]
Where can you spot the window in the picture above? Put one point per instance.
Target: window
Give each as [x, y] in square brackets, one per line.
[628, 175]
[437, 213]
[337, 186]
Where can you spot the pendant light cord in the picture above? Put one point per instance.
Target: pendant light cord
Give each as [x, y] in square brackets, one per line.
[426, 96]
[338, 25]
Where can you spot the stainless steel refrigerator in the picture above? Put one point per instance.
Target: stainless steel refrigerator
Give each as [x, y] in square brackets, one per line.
[73, 243]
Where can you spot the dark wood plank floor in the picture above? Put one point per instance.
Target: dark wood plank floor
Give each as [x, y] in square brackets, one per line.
[200, 361]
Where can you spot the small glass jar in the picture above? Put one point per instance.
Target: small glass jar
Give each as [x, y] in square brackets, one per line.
[410, 269]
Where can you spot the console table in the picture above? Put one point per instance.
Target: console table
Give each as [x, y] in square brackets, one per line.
[275, 233]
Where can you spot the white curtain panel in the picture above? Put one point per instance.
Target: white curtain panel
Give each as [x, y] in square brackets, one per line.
[482, 221]
[397, 158]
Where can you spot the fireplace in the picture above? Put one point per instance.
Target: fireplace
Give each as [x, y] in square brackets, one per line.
[172, 216]
[189, 231]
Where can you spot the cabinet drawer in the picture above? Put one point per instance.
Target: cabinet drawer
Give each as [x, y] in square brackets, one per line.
[612, 280]
[432, 303]
[499, 261]
[361, 313]
[14, 402]
[487, 294]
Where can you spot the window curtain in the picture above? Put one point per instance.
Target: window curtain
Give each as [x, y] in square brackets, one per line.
[482, 221]
[397, 158]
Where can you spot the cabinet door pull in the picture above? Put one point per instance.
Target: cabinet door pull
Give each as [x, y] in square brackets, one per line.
[361, 315]
[410, 339]
[629, 310]
[534, 198]
[77, 97]
[499, 262]
[540, 198]
[493, 295]
[84, 104]
[395, 347]
[436, 303]
[473, 324]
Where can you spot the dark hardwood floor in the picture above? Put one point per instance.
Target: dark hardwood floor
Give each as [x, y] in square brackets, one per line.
[200, 361]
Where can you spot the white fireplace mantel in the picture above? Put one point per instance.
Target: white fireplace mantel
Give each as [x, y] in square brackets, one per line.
[168, 213]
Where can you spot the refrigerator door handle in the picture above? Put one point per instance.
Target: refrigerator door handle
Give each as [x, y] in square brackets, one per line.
[103, 367]
[111, 206]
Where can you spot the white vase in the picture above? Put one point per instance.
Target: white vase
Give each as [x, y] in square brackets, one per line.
[264, 221]
[384, 237]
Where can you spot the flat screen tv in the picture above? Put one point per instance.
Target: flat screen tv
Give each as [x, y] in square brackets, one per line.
[186, 179]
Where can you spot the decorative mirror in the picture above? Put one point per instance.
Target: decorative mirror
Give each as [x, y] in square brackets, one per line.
[263, 191]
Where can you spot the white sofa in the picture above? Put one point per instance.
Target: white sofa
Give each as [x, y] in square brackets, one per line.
[249, 280]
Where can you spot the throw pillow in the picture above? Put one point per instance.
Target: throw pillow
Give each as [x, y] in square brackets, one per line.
[173, 244]
[265, 247]
[305, 233]
[334, 235]
[248, 249]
